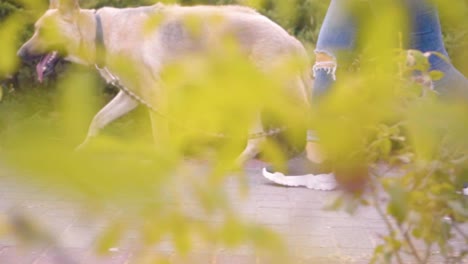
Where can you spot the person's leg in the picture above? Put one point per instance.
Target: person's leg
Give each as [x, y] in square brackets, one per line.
[425, 35]
[336, 37]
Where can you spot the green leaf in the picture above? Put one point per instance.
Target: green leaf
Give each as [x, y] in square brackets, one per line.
[182, 242]
[110, 237]
[436, 75]
[417, 233]
[395, 243]
[233, 232]
[379, 249]
[445, 231]
[336, 205]
[441, 56]
[385, 147]
[459, 208]
[417, 60]
[398, 205]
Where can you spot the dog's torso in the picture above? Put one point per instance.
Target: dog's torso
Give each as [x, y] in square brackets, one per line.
[155, 36]
[136, 45]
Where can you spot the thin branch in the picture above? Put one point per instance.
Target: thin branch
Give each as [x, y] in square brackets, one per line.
[459, 258]
[427, 254]
[384, 217]
[410, 243]
[460, 231]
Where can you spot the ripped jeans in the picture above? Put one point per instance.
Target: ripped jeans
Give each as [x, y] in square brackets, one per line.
[338, 37]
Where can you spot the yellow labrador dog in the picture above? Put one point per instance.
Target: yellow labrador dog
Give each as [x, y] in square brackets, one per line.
[99, 37]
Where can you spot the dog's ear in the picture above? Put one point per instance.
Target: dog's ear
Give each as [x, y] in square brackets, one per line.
[68, 8]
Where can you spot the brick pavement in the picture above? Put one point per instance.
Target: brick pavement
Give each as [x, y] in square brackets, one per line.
[314, 235]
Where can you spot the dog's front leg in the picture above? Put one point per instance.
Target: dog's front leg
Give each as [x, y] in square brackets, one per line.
[253, 145]
[160, 128]
[159, 115]
[117, 107]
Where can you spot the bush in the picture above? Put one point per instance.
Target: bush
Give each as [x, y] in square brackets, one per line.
[387, 119]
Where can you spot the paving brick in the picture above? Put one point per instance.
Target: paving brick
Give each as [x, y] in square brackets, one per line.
[309, 212]
[314, 226]
[273, 203]
[312, 241]
[8, 241]
[306, 204]
[356, 255]
[78, 237]
[337, 221]
[319, 260]
[306, 252]
[352, 237]
[242, 250]
[62, 256]
[312, 234]
[281, 229]
[375, 235]
[269, 192]
[110, 258]
[273, 215]
[195, 259]
[234, 259]
[16, 255]
[367, 213]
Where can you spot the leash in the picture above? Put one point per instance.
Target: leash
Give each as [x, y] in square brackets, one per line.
[114, 81]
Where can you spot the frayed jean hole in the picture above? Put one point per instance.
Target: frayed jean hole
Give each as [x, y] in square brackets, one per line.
[325, 62]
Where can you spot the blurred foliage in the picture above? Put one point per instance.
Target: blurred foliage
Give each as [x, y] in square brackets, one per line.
[391, 119]
[387, 117]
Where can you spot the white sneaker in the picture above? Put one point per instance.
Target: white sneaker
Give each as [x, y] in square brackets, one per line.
[302, 172]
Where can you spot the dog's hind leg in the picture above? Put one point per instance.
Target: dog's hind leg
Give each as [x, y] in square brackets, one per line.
[254, 144]
[117, 107]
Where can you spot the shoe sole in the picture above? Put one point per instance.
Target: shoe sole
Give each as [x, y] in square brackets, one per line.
[322, 182]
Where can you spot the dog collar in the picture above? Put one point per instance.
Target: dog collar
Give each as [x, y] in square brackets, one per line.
[99, 42]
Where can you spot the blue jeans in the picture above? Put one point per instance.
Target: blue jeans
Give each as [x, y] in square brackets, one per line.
[338, 36]
[337, 39]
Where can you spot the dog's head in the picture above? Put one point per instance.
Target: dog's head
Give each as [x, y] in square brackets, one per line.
[56, 35]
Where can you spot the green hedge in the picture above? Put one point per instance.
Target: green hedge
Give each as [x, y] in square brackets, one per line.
[305, 24]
